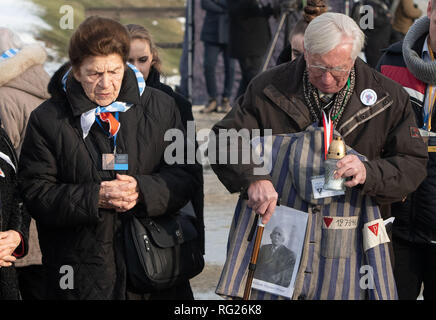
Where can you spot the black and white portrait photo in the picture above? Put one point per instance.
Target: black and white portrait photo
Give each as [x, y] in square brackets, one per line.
[280, 252]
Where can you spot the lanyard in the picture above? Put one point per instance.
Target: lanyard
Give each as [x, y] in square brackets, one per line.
[327, 122]
[108, 133]
[328, 132]
[427, 116]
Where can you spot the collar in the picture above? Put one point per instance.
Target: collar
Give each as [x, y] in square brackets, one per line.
[425, 52]
[288, 94]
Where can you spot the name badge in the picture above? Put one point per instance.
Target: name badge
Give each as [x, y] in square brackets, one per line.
[117, 161]
[318, 189]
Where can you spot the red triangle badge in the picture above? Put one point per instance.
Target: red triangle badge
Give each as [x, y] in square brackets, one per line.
[374, 229]
[328, 221]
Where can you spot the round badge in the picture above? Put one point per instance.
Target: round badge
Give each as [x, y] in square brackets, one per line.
[368, 97]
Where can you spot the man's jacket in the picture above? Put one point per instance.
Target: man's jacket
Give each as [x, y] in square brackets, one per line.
[415, 218]
[345, 253]
[383, 132]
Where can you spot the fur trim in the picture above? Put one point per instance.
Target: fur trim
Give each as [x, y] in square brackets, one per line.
[28, 56]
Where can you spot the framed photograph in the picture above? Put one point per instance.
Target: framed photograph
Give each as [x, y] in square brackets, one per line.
[280, 252]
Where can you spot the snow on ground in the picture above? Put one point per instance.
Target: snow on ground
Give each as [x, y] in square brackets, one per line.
[23, 17]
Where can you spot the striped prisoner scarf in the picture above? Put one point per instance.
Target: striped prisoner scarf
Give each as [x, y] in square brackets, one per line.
[332, 257]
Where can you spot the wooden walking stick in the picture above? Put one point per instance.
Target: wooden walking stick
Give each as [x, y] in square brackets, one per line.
[254, 255]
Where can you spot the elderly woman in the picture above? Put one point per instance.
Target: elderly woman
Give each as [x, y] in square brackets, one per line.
[99, 110]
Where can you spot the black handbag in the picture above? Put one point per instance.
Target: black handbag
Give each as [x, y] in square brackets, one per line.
[161, 252]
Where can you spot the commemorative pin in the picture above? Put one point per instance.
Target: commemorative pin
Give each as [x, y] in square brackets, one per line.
[368, 97]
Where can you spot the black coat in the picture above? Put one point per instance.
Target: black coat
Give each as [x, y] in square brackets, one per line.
[13, 216]
[61, 174]
[250, 33]
[216, 22]
[185, 109]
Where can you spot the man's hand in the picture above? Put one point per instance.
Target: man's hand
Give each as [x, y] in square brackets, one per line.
[9, 241]
[351, 166]
[262, 198]
[121, 194]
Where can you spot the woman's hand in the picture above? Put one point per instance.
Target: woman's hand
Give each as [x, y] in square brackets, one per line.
[121, 194]
[9, 241]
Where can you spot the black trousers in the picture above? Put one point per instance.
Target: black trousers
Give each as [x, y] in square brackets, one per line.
[250, 67]
[415, 264]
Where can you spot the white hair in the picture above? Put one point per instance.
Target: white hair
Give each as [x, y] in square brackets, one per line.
[9, 39]
[327, 31]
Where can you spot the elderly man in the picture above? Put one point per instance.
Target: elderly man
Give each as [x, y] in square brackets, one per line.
[275, 262]
[372, 113]
[411, 64]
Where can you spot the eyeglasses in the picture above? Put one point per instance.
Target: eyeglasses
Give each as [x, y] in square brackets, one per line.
[335, 71]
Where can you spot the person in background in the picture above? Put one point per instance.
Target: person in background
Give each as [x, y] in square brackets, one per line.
[215, 35]
[377, 26]
[23, 86]
[249, 36]
[411, 64]
[100, 108]
[405, 15]
[144, 55]
[295, 48]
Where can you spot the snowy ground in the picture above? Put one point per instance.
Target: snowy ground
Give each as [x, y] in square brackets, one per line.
[23, 17]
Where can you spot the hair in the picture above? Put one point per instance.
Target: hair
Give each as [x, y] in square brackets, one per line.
[97, 36]
[313, 9]
[327, 31]
[139, 32]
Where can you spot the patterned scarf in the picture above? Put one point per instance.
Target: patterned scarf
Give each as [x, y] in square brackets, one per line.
[340, 99]
[88, 118]
[9, 54]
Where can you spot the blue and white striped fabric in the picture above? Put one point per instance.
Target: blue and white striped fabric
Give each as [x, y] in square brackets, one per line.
[9, 54]
[330, 267]
[88, 118]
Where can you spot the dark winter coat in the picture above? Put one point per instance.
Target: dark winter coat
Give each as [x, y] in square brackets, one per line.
[185, 109]
[13, 216]
[62, 172]
[216, 22]
[381, 132]
[250, 32]
[415, 217]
